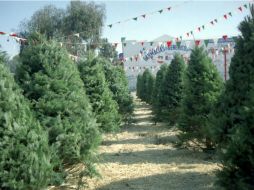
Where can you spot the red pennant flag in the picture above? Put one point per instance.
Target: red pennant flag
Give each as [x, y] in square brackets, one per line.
[199, 29]
[144, 16]
[225, 16]
[13, 34]
[212, 22]
[169, 8]
[225, 37]
[136, 58]
[197, 42]
[2, 33]
[169, 43]
[142, 43]
[240, 8]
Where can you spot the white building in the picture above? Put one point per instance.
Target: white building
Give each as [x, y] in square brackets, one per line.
[151, 55]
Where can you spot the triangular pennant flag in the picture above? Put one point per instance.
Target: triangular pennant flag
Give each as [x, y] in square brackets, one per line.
[203, 26]
[160, 11]
[13, 34]
[2, 33]
[131, 59]
[115, 45]
[124, 44]
[144, 16]
[169, 8]
[188, 34]
[225, 16]
[246, 6]
[197, 42]
[169, 43]
[136, 58]
[151, 43]
[216, 20]
[206, 42]
[212, 22]
[178, 44]
[230, 14]
[177, 39]
[110, 26]
[136, 18]
[181, 37]
[191, 32]
[142, 43]
[240, 8]
[199, 29]
[225, 37]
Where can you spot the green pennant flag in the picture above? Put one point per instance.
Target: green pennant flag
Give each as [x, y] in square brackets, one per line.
[124, 44]
[216, 20]
[246, 6]
[178, 44]
[203, 27]
[151, 43]
[110, 26]
[181, 37]
[230, 14]
[191, 32]
[160, 11]
[136, 18]
[206, 42]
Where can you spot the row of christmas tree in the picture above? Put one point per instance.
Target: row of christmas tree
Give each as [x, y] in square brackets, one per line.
[53, 113]
[208, 113]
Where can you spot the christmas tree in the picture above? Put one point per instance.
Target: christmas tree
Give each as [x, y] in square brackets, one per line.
[147, 85]
[52, 82]
[138, 85]
[157, 97]
[233, 119]
[118, 84]
[172, 91]
[202, 87]
[100, 96]
[25, 154]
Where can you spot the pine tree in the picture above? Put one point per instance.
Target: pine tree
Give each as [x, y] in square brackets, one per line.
[147, 86]
[138, 85]
[25, 154]
[202, 87]
[118, 84]
[172, 90]
[100, 96]
[157, 97]
[52, 82]
[233, 121]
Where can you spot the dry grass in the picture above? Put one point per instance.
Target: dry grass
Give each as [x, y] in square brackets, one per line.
[143, 156]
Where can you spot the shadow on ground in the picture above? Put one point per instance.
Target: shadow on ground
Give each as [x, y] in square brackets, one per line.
[168, 181]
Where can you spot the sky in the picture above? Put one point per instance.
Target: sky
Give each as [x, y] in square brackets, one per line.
[183, 17]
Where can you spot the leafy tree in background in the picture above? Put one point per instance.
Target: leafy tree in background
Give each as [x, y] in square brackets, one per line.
[99, 94]
[118, 85]
[157, 97]
[202, 87]
[25, 154]
[172, 89]
[52, 82]
[233, 121]
[107, 50]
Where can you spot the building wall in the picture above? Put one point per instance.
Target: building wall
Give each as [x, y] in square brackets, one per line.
[144, 56]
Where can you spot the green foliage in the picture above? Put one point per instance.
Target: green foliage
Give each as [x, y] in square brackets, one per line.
[172, 91]
[157, 97]
[202, 87]
[233, 119]
[118, 84]
[25, 154]
[52, 82]
[147, 84]
[100, 96]
[107, 50]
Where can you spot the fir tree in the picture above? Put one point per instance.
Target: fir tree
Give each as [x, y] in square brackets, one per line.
[147, 85]
[52, 82]
[100, 96]
[233, 121]
[157, 97]
[138, 85]
[202, 87]
[172, 91]
[25, 154]
[118, 84]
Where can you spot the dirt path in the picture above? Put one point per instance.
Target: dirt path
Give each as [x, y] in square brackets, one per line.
[142, 156]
